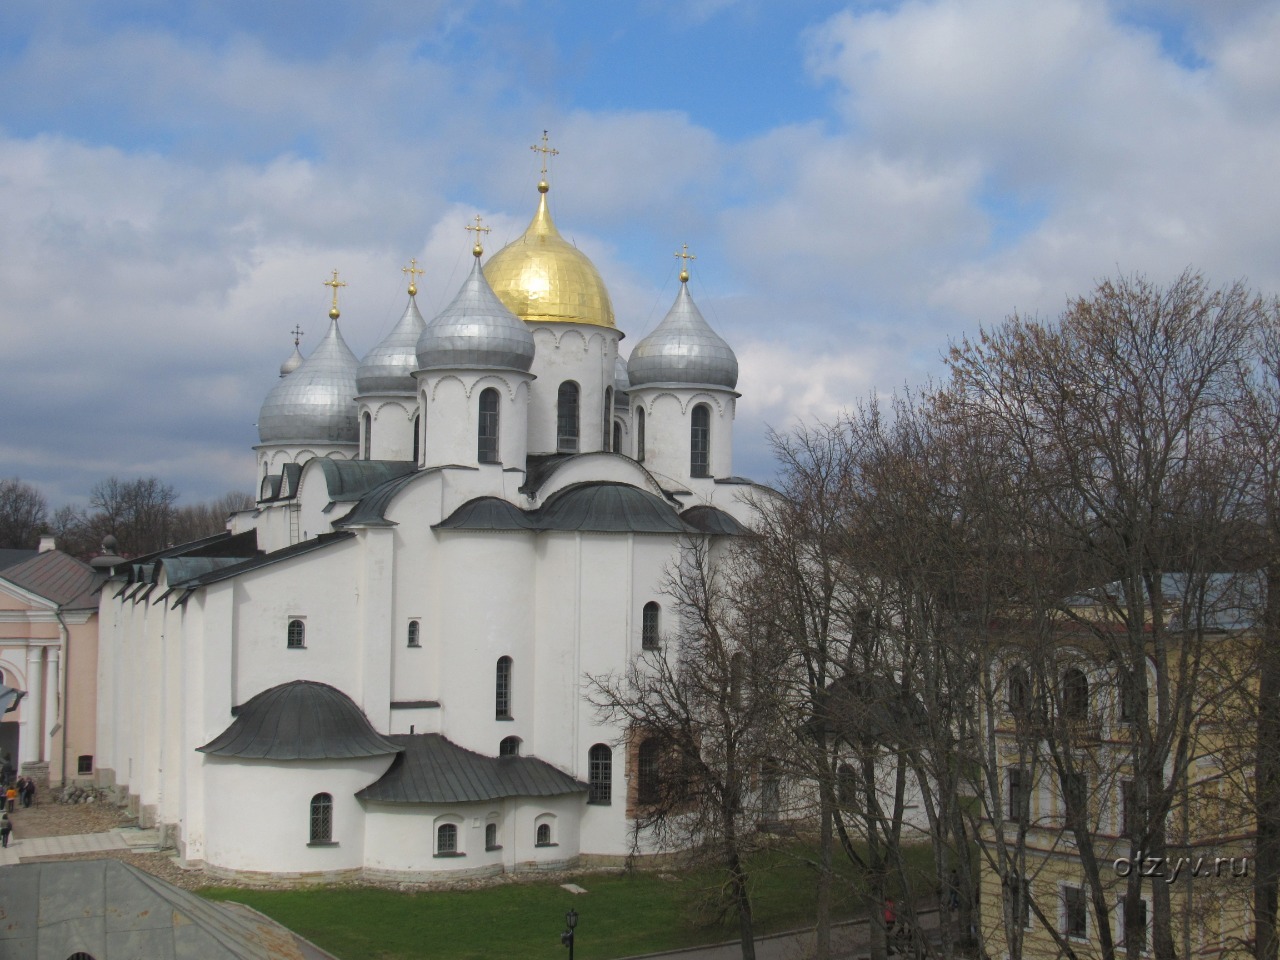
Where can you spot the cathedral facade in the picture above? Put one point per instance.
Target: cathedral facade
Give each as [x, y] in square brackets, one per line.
[380, 670]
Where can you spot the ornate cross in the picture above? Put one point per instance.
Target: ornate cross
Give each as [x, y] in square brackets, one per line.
[546, 151]
[335, 283]
[686, 256]
[479, 229]
[413, 272]
[297, 332]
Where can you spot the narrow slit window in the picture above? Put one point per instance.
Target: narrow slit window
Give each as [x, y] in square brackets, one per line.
[415, 639]
[322, 818]
[700, 442]
[649, 625]
[600, 774]
[487, 442]
[502, 691]
[567, 418]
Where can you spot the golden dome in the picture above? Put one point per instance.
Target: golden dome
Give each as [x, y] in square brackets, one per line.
[540, 277]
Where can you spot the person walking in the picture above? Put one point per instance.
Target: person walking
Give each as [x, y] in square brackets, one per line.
[28, 792]
[6, 828]
[10, 798]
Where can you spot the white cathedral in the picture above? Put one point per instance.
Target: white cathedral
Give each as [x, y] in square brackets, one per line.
[379, 670]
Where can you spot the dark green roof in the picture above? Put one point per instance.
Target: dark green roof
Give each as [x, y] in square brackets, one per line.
[585, 507]
[433, 769]
[349, 480]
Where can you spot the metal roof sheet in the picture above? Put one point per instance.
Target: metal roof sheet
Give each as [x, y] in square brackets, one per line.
[107, 908]
[300, 720]
[434, 769]
[348, 480]
[488, 513]
[710, 519]
[610, 508]
[58, 577]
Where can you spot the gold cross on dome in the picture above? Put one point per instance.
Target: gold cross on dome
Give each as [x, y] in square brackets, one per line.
[546, 151]
[335, 283]
[684, 255]
[478, 229]
[297, 332]
[413, 272]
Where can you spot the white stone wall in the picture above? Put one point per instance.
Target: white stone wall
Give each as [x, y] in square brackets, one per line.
[582, 353]
[668, 412]
[391, 418]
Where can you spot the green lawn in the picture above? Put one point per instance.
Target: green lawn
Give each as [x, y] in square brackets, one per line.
[620, 915]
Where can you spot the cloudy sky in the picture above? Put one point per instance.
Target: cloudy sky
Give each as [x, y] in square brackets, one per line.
[861, 183]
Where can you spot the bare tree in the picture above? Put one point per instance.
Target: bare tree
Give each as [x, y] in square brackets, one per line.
[702, 719]
[23, 514]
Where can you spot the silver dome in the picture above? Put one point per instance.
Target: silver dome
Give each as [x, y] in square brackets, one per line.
[621, 384]
[292, 364]
[388, 367]
[476, 330]
[315, 403]
[683, 349]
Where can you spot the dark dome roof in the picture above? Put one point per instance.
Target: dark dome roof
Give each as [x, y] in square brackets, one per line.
[300, 720]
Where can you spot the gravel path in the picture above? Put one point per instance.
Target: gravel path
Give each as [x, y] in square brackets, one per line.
[51, 819]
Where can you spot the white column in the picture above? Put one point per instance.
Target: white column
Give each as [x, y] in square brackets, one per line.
[31, 736]
[51, 703]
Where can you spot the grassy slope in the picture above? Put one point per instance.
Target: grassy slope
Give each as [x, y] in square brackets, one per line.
[620, 915]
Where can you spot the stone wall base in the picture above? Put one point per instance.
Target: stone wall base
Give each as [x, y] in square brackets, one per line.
[39, 772]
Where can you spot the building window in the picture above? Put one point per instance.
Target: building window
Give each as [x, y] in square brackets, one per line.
[297, 634]
[417, 438]
[1139, 923]
[447, 840]
[84, 765]
[1075, 913]
[415, 638]
[509, 747]
[1022, 901]
[491, 836]
[567, 418]
[606, 432]
[543, 836]
[648, 772]
[1075, 792]
[1019, 691]
[1075, 696]
[617, 436]
[1129, 696]
[640, 434]
[502, 692]
[487, 443]
[1128, 808]
[600, 774]
[700, 442]
[649, 625]
[367, 423]
[322, 818]
[1013, 777]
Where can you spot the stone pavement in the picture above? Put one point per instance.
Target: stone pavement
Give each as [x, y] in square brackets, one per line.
[120, 838]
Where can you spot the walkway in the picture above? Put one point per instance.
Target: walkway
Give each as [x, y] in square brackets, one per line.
[119, 838]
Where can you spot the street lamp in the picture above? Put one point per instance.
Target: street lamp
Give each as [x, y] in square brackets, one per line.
[571, 921]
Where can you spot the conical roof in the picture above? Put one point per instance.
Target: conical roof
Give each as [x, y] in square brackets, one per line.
[315, 403]
[475, 330]
[388, 367]
[293, 363]
[683, 349]
[543, 278]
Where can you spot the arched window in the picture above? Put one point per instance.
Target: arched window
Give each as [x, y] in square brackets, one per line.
[648, 772]
[649, 625]
[1019, 691]
[502, 691]
[700, 442]
[600, 774]
[509, 747]
[322, 818]
[487, 442]
[414, 634]
[617, 436]
[417, 438]
[737, 669]
[367, 423]
[1075, 695]
[607, 422]
[640, 434]
[297, 637]
[567, 418]
[543, 835]
[491, 836]
[447, 840]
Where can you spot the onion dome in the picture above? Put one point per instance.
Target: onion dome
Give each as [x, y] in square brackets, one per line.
[683, 349]
[293, 363]
[315, 403]
[621, 384]
[542, 278]
[475, 330]
[388, 367]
